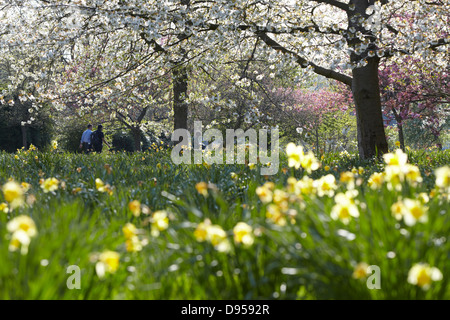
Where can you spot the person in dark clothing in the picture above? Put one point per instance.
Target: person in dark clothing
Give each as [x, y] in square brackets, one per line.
[97, 138]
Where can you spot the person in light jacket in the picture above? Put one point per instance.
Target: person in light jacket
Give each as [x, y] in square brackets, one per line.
[85, 143]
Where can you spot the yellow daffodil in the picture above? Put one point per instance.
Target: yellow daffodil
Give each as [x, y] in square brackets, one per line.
[108, 189]
[397, 210]
[215, 234]
[344, 208]
[4, 207]
[201, 232]
[264, 193]
[23, 223]
[274, 214]
[135, 207]
[360, 271]
[414, 211]
[443, 178]
[412, 174]
[108, 261]
[49, 185]
[309, 162]
[19, 239]
[399, 158]
[129, 230]
[160, 222]
[218, 238]
[394, 177]
[270, 185]
[102, 187]
[421, 274]
[202, 188]
[325, 186]
[14, 194]
[25, 186]
[224, 246]
[411, 210]
[292, 186]
[281, 199]
[375, 181]
[348, 178]
[243, 233]
[306, 186]
[133, 244]
[423, 197]
[99, 184]
[22, 229]
[294, 154]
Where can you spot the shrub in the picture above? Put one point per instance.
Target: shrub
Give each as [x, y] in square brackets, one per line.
[70, 135]
[122, 141]
[38, 133]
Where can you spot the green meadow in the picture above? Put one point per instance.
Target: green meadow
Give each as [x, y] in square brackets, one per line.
[136, 226]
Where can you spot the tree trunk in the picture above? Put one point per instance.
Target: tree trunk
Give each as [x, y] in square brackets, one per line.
[366, 94]
[180, 82]
[180, 107]
[24, 136]
[401, 137]
[136, 138]
[317, 142]
[366, 90]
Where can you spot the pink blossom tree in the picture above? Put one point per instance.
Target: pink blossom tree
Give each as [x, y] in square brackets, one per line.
[317, 107]
[412, 88]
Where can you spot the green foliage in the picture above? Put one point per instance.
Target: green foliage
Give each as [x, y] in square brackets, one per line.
[338, 132]
[311, 258]
[70, 135]
[10, 137]
[38, 133]
[391, 133]
[122, 141]
[418, 136]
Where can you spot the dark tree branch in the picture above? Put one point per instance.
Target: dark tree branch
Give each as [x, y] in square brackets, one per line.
[303, 62]
[433, 45]
[251, 58]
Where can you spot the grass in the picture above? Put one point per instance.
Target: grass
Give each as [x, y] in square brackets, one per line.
[312, 256]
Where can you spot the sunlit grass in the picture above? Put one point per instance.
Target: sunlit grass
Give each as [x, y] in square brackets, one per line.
[305, 252]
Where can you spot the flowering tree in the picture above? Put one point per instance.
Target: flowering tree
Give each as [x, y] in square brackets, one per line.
[333, 38]
[21, 71]
[341, 40]
[317, 109]
[133, 99]
[415, 89]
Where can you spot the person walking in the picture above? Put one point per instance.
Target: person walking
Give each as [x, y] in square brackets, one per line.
[85, 143]
[98, 138]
